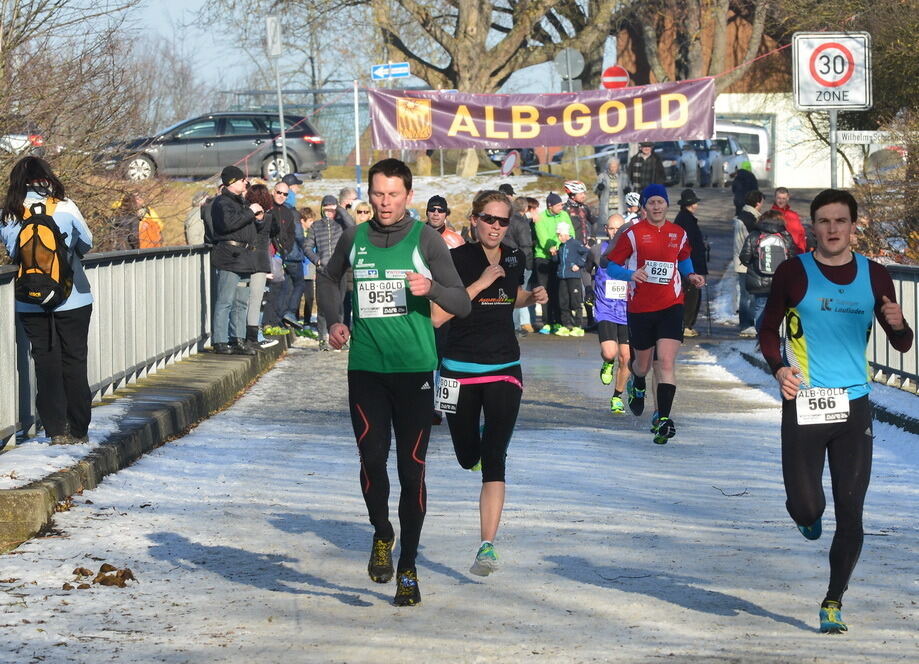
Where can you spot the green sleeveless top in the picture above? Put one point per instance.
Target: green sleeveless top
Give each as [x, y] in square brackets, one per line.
[391, 330]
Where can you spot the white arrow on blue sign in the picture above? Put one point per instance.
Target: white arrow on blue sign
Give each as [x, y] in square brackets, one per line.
[389, 70]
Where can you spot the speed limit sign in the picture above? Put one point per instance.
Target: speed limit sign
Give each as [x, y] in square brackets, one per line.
[832, 70]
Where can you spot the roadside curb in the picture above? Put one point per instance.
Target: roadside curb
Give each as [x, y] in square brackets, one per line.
[881, 414]
[161, 407]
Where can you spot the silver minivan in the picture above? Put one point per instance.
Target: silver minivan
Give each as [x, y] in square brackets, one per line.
[754, 139]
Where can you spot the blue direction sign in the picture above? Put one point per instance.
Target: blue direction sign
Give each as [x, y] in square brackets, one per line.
[389, 70]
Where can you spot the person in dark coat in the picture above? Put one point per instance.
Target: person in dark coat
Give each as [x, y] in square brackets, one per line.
[744, 182]
[234, 257]
[686, 219]
[645, 167]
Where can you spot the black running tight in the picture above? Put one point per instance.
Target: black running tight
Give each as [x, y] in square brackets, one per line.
[404, 402]
[848, 445]
[499, 400]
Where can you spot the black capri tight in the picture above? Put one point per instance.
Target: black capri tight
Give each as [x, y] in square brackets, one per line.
[499, 399]
[848, 445]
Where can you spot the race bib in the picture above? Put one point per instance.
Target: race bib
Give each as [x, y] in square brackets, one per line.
[659, 272]
[822, 405]
[616, 290]
[381, 298]
[448, 390]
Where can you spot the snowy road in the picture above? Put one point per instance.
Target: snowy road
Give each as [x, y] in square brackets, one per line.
[249, 539]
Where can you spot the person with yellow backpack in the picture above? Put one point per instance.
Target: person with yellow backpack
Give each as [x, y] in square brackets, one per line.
[45, 234]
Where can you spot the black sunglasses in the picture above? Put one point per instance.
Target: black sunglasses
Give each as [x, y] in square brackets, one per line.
[436, 209]
[280, 193]
[504, 222]
[363, 211]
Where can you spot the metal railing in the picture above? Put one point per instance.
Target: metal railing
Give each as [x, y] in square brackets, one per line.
[151, 308]
[901, 369]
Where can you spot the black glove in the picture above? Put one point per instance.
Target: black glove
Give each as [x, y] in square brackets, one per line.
[600, 187]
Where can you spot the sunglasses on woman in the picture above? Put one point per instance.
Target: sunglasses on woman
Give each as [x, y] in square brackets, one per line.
[504, 222]
[362, 211]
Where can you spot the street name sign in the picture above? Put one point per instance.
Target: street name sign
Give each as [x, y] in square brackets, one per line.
[832, 71]
[863, 137]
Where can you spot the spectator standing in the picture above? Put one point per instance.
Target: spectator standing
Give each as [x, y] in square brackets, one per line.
[570, 257]
[137, 226]
[744, 223]
[793, 223]
[686, 219]
[610, 185]
[309, 270]
[520, 236]
[206, 209]
[320, 245]
[766, 247]
[194, 220]
[290, 244]
[645, 167]
[346, 200]
[544, 248]
[293, 184]
[58, 336]
[581, 217]
[267, 232]
[234, 259]
[743, 183]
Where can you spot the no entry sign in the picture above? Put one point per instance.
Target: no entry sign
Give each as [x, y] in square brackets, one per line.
[832, 70]
[614, 77]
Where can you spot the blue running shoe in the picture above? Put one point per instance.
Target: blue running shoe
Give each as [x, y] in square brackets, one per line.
[486, 560]
[636, 397]
[813, 531]
[545, 329]
[831, 618]
[664, 431]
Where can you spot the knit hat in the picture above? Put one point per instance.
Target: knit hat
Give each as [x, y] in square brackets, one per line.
[329, 199]
[553, 199]
[506, 189]
[231, 174]
[562, 227]
[437, 202]
[654, 190]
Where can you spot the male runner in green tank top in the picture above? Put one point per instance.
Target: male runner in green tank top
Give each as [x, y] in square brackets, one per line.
[400, 266]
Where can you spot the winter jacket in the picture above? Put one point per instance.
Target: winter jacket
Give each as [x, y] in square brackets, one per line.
[569, 254]
[79, 239]
[743, 224]
[610, 190]
[291, 240]
[688, 222]
[582, 219]
[546, 236]
[236, 235]
[794, 227]
[323, 237]
[645, 170]
[759, 282]
[520, 236]
[744, 182]
[267, 232]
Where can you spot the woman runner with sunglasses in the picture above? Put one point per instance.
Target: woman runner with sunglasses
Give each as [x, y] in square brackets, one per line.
[480, 371]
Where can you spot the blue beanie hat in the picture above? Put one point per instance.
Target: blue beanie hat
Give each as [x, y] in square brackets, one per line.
[553, 199]
[654, 190]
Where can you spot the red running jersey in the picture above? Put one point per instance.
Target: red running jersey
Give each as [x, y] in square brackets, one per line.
[659, 251]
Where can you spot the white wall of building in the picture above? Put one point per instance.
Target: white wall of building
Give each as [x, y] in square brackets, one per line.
[799, 160]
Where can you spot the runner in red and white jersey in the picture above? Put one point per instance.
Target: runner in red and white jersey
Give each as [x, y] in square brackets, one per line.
[664, 246]
[654, 256]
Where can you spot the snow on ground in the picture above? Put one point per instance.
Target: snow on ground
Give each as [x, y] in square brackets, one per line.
[249, 540]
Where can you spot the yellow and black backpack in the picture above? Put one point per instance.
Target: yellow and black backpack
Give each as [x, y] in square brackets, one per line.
[45, 274]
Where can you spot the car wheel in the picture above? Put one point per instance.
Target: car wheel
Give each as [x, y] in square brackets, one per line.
[274, 168]
[139, 167]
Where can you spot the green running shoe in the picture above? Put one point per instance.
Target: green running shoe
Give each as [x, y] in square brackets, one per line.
[477, 466]
[664, 431]
[606, 373]
[380, 566]
[576, 332]
[831, 618]
[562, 332]
[616, 406]
[407, 591]
[486, 560]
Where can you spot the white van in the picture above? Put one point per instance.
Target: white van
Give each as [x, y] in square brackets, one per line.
[757, 143]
